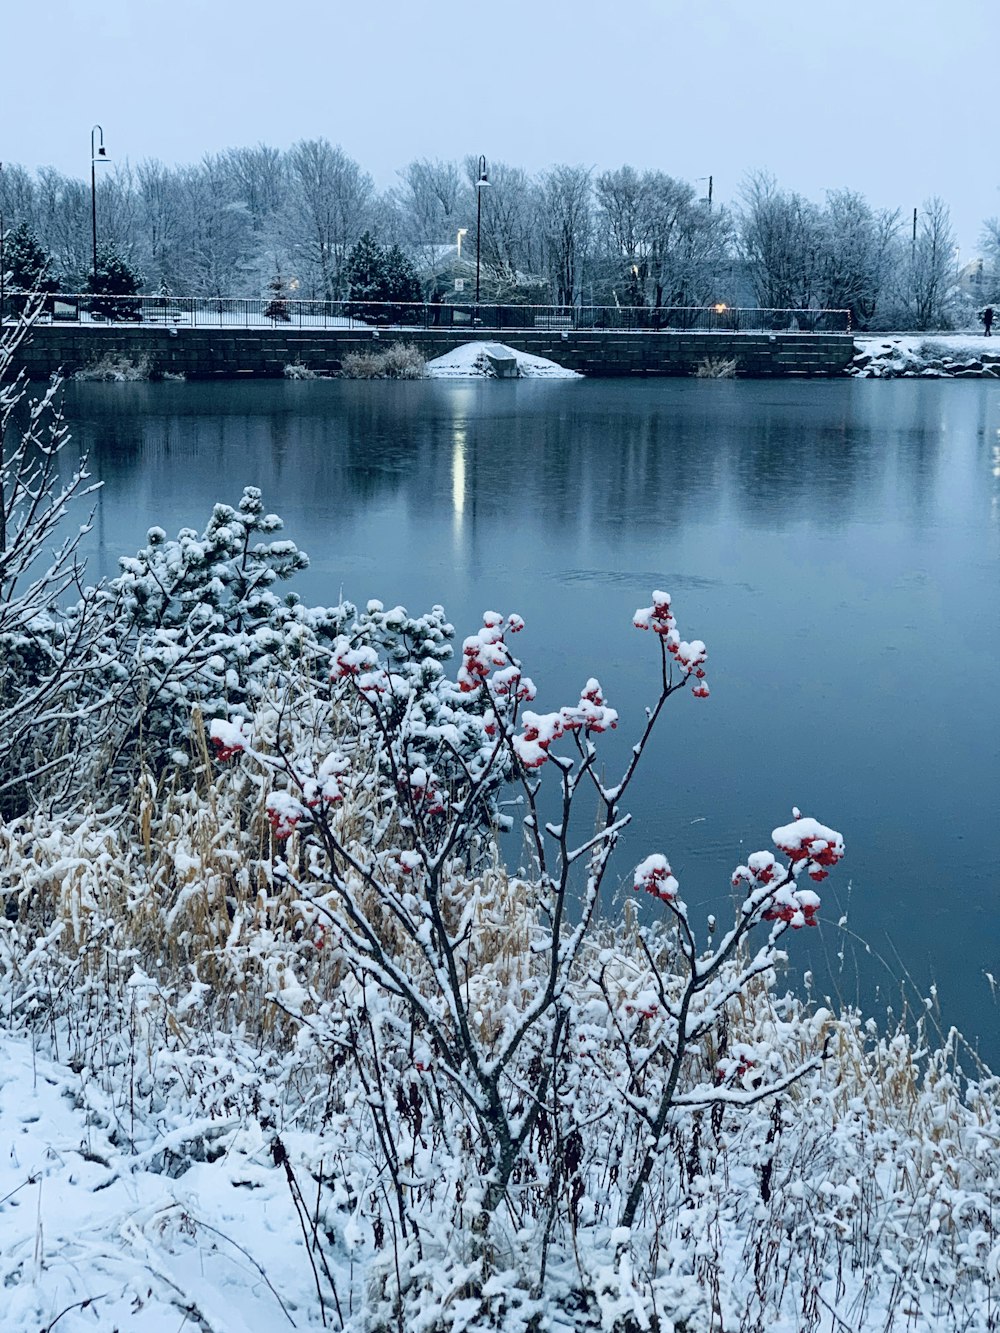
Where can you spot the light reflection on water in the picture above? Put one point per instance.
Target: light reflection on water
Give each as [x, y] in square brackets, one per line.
[835, 544]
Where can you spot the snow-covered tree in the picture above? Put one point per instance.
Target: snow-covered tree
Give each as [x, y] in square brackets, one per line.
[567, 222]
[931, 271]
[427, 206]
[858, 255]
[782, 239]
[42, 657]
[29, 266]
[331, 197]
[660, 245]
[381, 274]
[117, 280]
[277, 305]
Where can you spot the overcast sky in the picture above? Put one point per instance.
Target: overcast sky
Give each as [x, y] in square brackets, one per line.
[898, 100]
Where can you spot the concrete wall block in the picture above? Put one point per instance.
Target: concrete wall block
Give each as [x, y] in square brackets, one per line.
[205, 350]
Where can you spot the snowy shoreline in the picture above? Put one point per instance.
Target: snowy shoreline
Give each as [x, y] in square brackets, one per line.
[926, 356]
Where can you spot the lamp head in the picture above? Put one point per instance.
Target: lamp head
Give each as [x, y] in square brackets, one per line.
[98, 153]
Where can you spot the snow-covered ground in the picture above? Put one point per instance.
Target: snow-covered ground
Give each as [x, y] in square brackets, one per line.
[212, 319]
[932, 356]
[471, 361]
[96, 1238]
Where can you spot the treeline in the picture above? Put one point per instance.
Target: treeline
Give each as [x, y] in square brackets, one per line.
[255, 221]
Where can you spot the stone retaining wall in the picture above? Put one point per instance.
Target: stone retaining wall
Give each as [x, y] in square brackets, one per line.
[203, 353]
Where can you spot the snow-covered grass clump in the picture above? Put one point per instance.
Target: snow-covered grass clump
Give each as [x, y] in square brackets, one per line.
[116, 368]
[295, 370]
[472, 361]
[398, 361]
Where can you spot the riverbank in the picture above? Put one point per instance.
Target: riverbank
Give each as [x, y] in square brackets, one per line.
[927, 356]
[231, 353]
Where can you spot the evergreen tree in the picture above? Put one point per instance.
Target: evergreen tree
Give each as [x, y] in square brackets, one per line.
[366, 270]
[117, 278]
[29, 266]
[401, 275]
[277, 306]
[383, 274]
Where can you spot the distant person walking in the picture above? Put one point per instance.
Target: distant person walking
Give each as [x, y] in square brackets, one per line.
[987, 318]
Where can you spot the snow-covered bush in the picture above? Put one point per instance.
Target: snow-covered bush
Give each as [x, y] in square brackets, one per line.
[295, 370]
[116, 368]
[483, 991]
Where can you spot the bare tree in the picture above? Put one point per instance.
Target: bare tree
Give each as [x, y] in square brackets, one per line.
[858, 254]
[427, 204]
[43, 655]
[663, 247]
[117, 200]
[63, 223]
[932, 264]
[332, 199]
[18, 197]
[782, 241]
[260, 181]
[160, 221]
[216, 229]
[513, 254]
[567, 222]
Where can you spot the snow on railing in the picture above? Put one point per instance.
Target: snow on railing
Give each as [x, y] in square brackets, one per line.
[251, 312]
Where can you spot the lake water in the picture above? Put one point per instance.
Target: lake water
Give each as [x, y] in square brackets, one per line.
[836, 544]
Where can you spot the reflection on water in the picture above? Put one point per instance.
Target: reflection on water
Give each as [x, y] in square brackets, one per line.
[836, 545]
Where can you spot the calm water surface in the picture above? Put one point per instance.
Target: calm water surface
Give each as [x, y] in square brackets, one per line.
[837, 546]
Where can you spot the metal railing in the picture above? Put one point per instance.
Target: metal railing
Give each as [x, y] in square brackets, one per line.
[251, 313]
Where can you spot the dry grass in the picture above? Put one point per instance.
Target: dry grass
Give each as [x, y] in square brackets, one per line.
[716, 368]
[401, 361]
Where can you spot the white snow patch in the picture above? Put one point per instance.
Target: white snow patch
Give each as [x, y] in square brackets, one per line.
[95, 1236]
[470, 361]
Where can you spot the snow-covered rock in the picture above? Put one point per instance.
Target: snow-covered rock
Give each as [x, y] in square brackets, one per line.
[938, 356]
[473, 360]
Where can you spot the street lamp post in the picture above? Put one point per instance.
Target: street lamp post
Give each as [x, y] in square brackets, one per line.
[483, 180]
[99, 156]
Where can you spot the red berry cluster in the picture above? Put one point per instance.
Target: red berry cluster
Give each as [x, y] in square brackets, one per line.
[348, 661]
[688, 656]
[760, 869]
[800, 911]
[655, 877]
[810, 845]
[487, 652]
[224, 751]
[591, 714]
